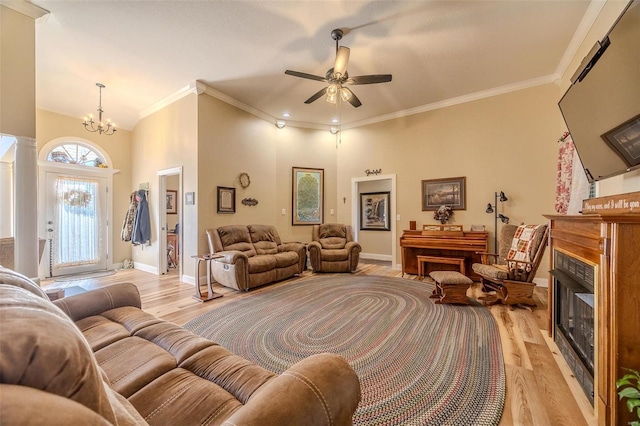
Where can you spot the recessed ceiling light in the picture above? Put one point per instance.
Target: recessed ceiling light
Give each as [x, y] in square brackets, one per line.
[335, 120]
[286, 115]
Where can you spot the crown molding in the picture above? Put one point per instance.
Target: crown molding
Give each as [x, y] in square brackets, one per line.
[168, 100]
[26, 8]
[590, 16]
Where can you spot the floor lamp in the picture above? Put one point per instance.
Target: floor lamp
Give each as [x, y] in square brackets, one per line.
[493, 208]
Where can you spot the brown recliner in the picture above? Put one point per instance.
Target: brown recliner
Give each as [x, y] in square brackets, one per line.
[332, 248]
[253, 255]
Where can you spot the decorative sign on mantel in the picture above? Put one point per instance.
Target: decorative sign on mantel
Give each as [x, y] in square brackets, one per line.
[614, 204]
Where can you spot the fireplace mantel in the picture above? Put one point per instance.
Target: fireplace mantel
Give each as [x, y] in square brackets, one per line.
[612, 242]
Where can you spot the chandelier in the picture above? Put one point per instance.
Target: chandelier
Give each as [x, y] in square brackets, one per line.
[90, 125]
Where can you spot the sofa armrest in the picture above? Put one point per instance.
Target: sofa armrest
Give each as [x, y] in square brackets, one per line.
[353, 245]
[94, 302]
[319, 390]
[296, 247]
[230, 257]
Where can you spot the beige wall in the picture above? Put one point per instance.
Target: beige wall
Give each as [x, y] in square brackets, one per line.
[17, 73]
[164, 140]
[504, 143]
[231, 142]
[50, 126]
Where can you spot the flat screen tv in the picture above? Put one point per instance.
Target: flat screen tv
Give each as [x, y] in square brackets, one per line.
[602, 106]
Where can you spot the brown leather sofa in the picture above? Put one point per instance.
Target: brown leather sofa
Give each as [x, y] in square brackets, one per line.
[97, 359]
[333, 249]
[253, 255]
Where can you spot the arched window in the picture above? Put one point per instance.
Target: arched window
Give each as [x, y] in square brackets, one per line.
[76, 153]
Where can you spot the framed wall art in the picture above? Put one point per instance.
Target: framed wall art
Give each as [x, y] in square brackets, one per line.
[625, 141]
[172, 201]
[307, 196]
[444, 192]
[374, 211]
[226, 200]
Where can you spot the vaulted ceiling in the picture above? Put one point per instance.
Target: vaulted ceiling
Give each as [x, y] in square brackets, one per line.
[439, 52]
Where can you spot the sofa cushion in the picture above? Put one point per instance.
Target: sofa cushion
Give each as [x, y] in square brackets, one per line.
[8, 276]
[236, 237]
[286, 258]
[262, 263]
[265, 238]
[59, 362]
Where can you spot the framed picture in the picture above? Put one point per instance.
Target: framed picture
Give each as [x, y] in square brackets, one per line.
[374, 211]
[226, 200]
[307, 196]
[172, 201]
[625, 140]
[190, 198]
[444, 192]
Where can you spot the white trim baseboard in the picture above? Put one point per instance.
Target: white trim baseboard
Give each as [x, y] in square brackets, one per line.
[374, 256]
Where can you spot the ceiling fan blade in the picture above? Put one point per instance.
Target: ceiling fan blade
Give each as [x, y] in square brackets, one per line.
[317, 96]
[305, 75]
[353, 99]
[370, 79]
[342, 60]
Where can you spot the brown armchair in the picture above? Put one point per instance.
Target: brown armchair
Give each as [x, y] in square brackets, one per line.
[332, 248]
[511, 271]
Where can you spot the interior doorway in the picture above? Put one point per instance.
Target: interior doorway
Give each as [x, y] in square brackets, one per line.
[170, 257]
[383, 242]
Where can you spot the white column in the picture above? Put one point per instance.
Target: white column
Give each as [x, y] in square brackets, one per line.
[25, 207]
[6, 199]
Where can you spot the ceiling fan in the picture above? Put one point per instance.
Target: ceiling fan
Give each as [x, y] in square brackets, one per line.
[338, 77]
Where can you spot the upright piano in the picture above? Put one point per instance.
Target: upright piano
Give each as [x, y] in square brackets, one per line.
[444, 244]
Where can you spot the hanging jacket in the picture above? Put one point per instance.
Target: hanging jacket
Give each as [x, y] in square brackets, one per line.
[142, 224]
[129, 218]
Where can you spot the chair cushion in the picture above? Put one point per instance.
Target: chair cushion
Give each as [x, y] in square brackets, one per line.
[450, 277]
[337, 255]
[497, 272]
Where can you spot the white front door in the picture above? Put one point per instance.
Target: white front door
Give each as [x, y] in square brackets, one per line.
[76, 223]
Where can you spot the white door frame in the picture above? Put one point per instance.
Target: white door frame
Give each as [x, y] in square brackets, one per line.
[392, 208]
[162, 219]
[45, 166]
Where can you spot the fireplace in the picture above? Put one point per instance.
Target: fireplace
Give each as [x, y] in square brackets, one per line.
[573, 313]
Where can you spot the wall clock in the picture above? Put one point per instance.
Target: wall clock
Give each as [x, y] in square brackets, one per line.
[244, 180]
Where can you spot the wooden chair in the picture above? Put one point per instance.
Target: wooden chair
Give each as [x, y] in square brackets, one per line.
[510, 272]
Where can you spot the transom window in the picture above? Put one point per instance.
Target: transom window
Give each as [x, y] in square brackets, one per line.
[76, 153]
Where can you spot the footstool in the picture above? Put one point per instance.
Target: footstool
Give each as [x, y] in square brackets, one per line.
[451, 287]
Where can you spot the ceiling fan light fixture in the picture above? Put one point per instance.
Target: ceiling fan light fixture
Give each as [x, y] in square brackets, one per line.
[345, 94]
[334, 130]
[280, 124]
[332, 93]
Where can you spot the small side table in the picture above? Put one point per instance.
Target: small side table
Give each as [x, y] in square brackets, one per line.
[206, 258]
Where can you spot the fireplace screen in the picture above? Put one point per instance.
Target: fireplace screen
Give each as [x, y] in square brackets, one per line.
[573, 316]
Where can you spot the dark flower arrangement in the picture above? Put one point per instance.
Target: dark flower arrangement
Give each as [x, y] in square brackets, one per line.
[443, 214]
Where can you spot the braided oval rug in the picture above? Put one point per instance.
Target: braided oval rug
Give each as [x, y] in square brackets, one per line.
[418, 363]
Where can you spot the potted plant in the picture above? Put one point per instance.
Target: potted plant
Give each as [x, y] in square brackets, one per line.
[629, 387]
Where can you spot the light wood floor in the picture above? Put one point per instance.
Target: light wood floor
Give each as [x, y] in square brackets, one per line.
[540, 388]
